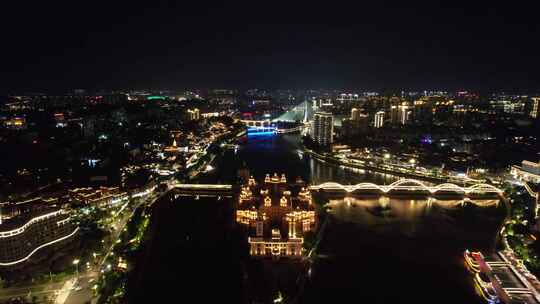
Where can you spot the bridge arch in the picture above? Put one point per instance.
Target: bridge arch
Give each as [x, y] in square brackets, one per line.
[411, 185]
[484, 188]
[366, 186]
[448, 187]
[397, 184]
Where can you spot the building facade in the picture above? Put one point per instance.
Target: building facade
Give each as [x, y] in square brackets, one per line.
[277, 214]
[535, 107]
[323, 128]
[379, 119]
[23, 237]
[528, 171]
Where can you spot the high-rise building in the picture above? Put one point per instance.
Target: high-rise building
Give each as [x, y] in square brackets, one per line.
[355, 126]
[404, 113]
[323, 128]
[355, 114]
[394, 114]
[423, 111]
[535, 109]
[379, 119]
[194, 114]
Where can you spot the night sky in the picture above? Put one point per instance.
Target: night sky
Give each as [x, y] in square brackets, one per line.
[56, 45]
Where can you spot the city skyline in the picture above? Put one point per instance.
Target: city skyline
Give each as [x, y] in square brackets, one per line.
[250, 152]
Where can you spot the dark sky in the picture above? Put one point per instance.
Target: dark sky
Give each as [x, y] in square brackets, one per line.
[56, 45]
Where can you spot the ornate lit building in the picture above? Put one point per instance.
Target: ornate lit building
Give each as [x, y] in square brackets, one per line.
[277, 214]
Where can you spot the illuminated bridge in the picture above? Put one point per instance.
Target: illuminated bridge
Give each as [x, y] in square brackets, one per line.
[302, 112]
[204, 190]
[262, 130]
[257, 123]
[409, 186]
[261, 127]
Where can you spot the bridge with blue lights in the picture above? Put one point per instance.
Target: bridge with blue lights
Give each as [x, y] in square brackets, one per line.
[267, 127]
[262, 130]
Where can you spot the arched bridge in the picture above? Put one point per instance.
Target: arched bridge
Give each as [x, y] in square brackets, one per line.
[410, 185]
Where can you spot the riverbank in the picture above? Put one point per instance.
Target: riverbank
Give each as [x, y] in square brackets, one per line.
[337, 162]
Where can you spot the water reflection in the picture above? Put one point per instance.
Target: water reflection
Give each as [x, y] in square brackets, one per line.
[406, 215]
[388, 247]
[282, 154]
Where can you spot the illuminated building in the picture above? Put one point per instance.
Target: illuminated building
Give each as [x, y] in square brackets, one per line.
[100, 197]
[394, 114]
[379, 119]
[423, 111]
[194, 114]
[23, 237]
[277, 214]
[404, 114]
[15, 123]
[357, 124]
[535, 109]
[355, 114]
[347, 97]
[60, 120]
[528, 171]
[210, 114]
[323, 128]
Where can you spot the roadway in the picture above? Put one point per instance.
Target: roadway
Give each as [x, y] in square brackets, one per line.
[67, 291]
[387, 169]
[40, 290]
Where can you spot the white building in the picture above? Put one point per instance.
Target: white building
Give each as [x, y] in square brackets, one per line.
[194, 114]
[528, 171]
[405, 114]
[535, 111]
[323, 128]
[355, 114]
[379, 119]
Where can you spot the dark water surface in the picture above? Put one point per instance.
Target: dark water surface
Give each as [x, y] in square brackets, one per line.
[373, 250]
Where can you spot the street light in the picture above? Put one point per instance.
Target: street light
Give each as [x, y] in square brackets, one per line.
[76, 263]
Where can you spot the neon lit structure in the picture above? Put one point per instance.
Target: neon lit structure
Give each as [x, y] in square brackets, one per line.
[19, 244]
[410, 185]
[271, 130]
[40, 247]
[277, 216]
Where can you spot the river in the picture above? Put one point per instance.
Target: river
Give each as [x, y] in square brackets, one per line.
[383, 250]
[372, 250]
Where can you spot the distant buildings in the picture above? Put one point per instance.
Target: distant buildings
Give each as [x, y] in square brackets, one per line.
[535, 107]
[423, 111]
[528, 171]
[355, 114]
[323, 128]
[15, 123]
[379, 119]
[193, 114]
[404, 114]
[356, 124]
[394, 114]
[98, 197]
